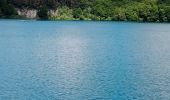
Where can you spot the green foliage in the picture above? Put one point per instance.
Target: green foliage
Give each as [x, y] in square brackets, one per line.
[167, 11]
[3, 3]
[7, 10]
[78, 13]
[102, 8]
[132, 13]
[65, 13]
[52, 4]
[87, 15]
[162, 14]
[148, 12]
[0, 13]
[43, 13]
[119, 14]
[121, 10]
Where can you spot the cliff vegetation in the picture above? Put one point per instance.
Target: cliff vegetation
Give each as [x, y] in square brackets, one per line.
[117, 10]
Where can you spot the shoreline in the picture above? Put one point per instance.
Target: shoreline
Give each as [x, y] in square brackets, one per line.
[82, 20]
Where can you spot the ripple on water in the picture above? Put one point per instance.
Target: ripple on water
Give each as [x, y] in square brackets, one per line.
[72, 60]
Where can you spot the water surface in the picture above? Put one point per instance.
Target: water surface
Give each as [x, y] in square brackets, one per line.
[83, 60]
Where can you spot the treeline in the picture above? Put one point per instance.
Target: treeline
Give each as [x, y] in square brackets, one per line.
[7, 10]
[117, 10]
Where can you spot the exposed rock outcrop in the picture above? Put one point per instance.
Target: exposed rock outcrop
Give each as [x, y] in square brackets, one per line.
[32, 13]
[27, 13]
[53, 13]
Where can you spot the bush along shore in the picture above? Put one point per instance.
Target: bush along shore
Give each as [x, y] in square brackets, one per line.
[115, 10]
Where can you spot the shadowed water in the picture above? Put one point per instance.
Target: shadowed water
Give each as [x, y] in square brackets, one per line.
[76, 60]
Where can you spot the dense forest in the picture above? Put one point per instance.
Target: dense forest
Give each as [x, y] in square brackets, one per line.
[116, 10]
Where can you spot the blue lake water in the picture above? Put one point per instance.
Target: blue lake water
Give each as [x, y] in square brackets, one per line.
[83, 60]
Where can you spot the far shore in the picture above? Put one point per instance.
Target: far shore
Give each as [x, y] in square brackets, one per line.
[25, 19]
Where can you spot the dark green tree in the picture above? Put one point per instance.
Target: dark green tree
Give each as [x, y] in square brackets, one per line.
[168, 13]
[119, 14]
[52, 4]
[102, 8]
[162, 16]
[0, 13]
[77, 13]
[132, 13]
[2, 3]
[43, 12]
[8, 10]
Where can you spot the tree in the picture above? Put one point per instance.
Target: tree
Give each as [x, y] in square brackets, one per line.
[8, 10]
[162, 16]
[43, 12]
[0, 13]
[2, 3]
[52, 4]
[65, 13]
[77, 13]
[132, 13]
[119, 14]
[168, 13]
[102, 8]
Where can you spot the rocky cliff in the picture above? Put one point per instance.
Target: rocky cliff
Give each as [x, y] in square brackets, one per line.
[32, 13]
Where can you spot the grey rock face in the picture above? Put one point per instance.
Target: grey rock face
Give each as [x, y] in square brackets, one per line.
[28, 13]
[32, 13]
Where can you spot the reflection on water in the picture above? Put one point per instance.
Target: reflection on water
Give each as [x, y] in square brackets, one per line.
[73, 60]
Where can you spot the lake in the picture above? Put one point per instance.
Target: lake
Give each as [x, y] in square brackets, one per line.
[84, 60]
